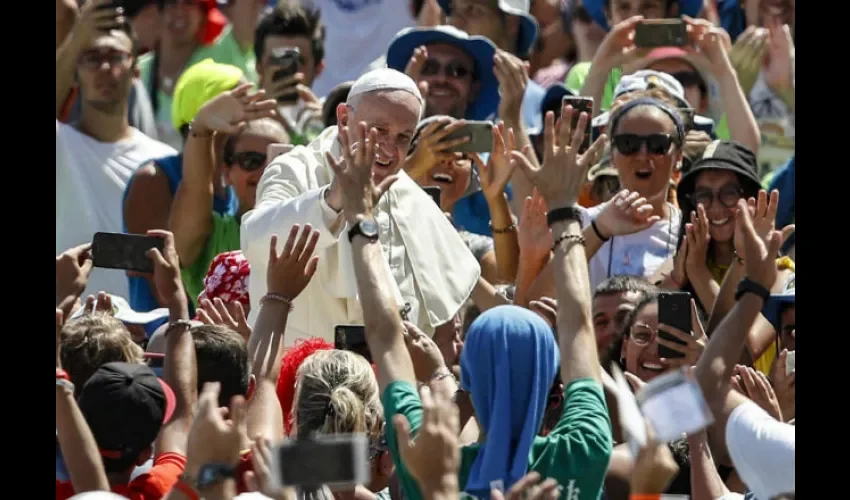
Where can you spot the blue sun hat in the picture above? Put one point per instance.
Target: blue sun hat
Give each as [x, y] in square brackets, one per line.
[480, 48]
[596, 9]
[551, 102]
[776, 301]
[521, 8]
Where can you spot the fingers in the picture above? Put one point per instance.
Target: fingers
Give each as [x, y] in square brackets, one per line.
[239, 414]
[518, 489]
[103, 303]
[208, 399]
[565, 126]
[402, 432]
[336, 165]
[523, 163]
[386, 184]
[312, 238]
[786, 233]
[594, 152]
[579, 132]
[88, 308]
[290, 242]
[675, 332]
[549, 141]
[696, 325]
[223, 313]
[204, 317]
[416, 62]
[441, 129]
[345, 140]
[634, 381]
[273, 250]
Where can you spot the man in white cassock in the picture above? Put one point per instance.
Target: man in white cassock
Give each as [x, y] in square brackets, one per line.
[434, 271]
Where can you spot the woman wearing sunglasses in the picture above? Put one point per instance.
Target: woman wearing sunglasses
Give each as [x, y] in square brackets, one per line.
[635, 240]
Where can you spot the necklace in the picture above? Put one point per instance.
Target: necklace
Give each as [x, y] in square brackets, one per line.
[674, 212]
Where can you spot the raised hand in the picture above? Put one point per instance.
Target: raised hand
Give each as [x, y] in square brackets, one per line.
[290, 271]
[779, 58]
[230, 111]
[168, 282]
[432, 147]
[73, 267]
[547, 308]
[353, 175]
[98, 16]
[698, 239]
[496, 173]
[435, 453]
[759, 253]
[512, 75]
[747, 54]
[530, 487]
[424, 352]
[416, 62]
[762, 210]
[618, 47]
[694, 341]
[564, 170]
[231, 315]
[709, 43]
[259, 479]
[785, 385]
[212, 439]
[102, 304]
[533, 235]
[755, 385]
[626, 213]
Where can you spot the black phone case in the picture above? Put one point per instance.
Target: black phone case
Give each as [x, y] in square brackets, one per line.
[124, 251]
[674, 309]
[352, 338]
[662, 33]
[434, 192]
[581, 104]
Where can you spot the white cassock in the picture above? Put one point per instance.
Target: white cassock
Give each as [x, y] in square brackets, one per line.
[433, 270]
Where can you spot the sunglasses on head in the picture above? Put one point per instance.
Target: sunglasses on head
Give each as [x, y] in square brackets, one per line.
[248, 160]
[656, 144]
[728, 196]
[432, 67]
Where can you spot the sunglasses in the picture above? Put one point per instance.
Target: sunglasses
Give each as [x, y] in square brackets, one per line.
[656, 144]
[249, 161]
[432, 67]
[689, 79]
[727, 196]
[95, 59]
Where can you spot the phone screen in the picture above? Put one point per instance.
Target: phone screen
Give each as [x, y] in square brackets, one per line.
[651, 33]
[335, 461]
[352, 338]
[124, 251]
[480, 137]
[579, 105]
[674, 309]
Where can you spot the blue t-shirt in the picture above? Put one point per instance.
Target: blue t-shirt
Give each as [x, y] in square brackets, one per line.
[141, 296]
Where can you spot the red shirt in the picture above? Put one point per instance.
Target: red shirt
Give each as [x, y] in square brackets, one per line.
[152, 485]
[242, 467]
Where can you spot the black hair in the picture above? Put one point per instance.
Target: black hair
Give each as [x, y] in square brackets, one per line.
[291, 20]
[650, 297]
[222, 356]
[624, 283]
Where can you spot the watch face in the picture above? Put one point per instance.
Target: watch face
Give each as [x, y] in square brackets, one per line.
[369, 227]
[211, 474]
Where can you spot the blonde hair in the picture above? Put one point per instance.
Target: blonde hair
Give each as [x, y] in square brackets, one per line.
[337, 394]
[93, 340]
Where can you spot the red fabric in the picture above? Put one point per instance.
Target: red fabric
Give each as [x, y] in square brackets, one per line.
[227, 279]
[292, 359]
[152, 485]
[216, 21]
[242, 467]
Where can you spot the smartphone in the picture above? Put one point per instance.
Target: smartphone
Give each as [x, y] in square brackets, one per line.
[124, 251]
[434, 193]
[580, 104]
[352, 338]
[480, 134]
[288, 60]
[337, 461]
[790, 362]
[651, 33]
[688, 117]
[674, 309]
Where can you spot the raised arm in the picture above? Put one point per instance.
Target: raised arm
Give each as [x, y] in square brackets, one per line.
[382, 319]
[287, 276]
[191, 213]
[559, 180]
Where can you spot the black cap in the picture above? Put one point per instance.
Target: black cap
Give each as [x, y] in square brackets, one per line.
[723, 155]
[125, 405]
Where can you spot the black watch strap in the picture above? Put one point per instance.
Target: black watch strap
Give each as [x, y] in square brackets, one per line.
[212, 474]
[563, 213]
[749, 286]
[358, 230]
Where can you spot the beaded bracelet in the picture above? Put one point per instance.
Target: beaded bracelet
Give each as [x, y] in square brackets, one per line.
[504, 230]
[438, 375]
[577, 238]
[277, 298]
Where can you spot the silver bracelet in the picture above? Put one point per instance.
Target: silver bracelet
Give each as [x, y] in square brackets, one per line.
[65, 383]
[178, 323]
[440, 374]
[277, 298]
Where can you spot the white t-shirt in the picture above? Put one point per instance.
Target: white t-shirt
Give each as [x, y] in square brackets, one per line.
[639, 254]
[358, 31]
[90, 180]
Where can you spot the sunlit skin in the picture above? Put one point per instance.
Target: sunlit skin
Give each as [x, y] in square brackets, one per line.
[643, 361]
[448, 95]
[244, 182]
[609, 314]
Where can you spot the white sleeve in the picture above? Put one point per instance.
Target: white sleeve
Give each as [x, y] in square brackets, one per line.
[762, 450]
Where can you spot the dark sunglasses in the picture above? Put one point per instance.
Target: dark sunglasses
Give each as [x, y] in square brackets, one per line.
[728, 196]
[249, 160]
[689, 79]
[432, 67]
[656, 144]
[94, 59]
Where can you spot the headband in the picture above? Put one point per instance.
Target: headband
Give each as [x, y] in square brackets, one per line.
[648, 101]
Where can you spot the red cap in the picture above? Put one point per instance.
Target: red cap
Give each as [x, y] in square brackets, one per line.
[216, 21]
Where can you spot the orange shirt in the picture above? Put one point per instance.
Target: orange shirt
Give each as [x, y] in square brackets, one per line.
[152, 485]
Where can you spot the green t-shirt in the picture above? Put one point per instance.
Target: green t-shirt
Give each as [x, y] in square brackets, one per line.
[223, 238]
[575, 453]
[225, 49]
[578, 74]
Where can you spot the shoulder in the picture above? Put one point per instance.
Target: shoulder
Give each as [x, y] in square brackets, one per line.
[576, 76]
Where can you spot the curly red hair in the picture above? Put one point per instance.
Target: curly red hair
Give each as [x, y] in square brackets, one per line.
[291, 361]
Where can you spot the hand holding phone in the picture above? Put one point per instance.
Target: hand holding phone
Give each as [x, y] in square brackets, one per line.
[652, 33]
[337, 461]
[674, 309]
[480, 134]
[580, 104]
[125, 251]
[287, 61]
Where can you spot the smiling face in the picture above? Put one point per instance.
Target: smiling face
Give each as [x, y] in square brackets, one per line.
[610, 312]
[105, 72]
[182, 20]
[448, 72]
[640, 349]
[394, 114]
[452, 177]
[647, 170]
[248, 160]
[718, 191]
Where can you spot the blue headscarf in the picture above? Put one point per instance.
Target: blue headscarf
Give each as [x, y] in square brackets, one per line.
[508, 364]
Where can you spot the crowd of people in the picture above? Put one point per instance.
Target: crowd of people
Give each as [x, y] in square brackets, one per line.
[306, 170]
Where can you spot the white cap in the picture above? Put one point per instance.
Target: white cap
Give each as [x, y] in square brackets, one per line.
[98, 495]
[122, 311]
[384, 79]
[762, 450]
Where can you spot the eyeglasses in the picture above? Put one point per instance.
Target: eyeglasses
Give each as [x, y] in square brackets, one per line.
[728, 196]
[642, 335]
[656, 144]
[689, 79]
[94, 59]
[377, 446]
[432, 67]
[249, 161]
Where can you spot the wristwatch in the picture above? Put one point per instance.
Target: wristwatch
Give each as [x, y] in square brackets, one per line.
[368, 228]
[749, 286]
[563, 213]
[212, 474]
